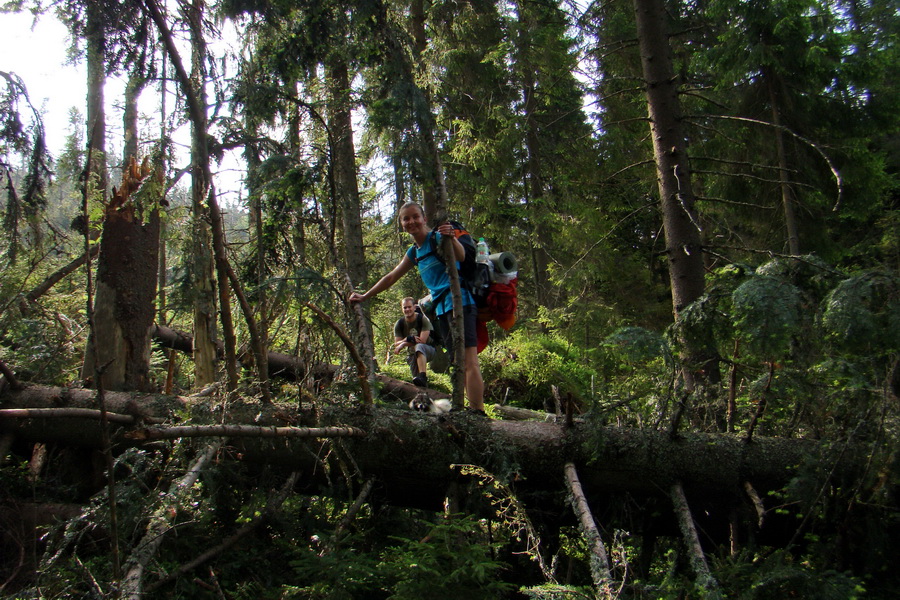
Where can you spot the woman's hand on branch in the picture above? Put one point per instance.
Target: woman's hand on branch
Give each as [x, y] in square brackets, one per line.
[445, 229]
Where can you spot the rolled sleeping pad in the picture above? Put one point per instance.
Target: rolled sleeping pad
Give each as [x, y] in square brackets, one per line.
[504, 262]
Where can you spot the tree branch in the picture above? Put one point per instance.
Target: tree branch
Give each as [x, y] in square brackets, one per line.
[757, 503]
[71, 413]
[705, 581]
[168, 433]
[158, 525]
[11, 378]
[362, 370]
[599, 561]
[273, 505]
[42, 288]
[839, 182]
[351, 513]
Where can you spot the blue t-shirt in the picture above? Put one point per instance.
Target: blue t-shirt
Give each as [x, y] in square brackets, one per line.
[434, 274]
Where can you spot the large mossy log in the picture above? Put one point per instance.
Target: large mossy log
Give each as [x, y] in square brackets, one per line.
[412, 456]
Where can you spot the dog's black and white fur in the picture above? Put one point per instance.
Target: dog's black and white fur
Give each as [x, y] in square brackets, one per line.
[423, 403]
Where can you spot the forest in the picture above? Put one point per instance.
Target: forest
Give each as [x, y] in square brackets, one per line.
[699, 396]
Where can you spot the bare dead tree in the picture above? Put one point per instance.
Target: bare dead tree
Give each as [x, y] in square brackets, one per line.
[599, 560]
[704, 579]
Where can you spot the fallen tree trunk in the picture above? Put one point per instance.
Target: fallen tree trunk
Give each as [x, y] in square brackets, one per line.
[599, 559]
[293, 368]
[705, 583]
[413, 455]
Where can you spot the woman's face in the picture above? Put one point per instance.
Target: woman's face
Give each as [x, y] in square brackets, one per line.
[412, 220]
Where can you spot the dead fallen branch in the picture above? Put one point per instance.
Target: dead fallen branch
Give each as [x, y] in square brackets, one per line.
[70, 413]
[273, 505]
[513, 413]
[168, 433]
[599, 560]
[32, 296]
[361, 369]
[757, 503]
[159, 524]
[10, 376]
[351, 514]
[704, 580]
[294, 368]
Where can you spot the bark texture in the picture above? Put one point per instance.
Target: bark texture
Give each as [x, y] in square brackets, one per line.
[415, 457]
[347, 189]
[126, 283]
[670, 153]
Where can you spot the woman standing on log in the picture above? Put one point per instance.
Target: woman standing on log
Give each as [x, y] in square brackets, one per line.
[434, 276]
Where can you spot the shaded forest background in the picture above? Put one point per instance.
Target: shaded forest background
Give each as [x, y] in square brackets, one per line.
[703, 201]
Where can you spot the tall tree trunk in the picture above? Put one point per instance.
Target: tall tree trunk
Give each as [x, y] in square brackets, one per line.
[347, 188]
[163, 153]
[431, 197]
[203, 282]
[537, 206]
[251, 153]
[96, 112]
[194, 91]
[787, 194]
[680, 224]
[399, 187]
[200, 161]
[298, 238]
[95, 175]
[133, 89]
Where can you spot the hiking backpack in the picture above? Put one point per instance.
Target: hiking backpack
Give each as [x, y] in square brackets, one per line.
[496, 300]
[473, 276]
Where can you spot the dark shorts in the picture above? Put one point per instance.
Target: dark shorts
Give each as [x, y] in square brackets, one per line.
[470, 316]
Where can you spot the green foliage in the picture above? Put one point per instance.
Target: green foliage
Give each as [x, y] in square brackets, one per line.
[540, 361]
[44, 351]
[635, 346]
[342, 574]
[637, 376]
[704, 325]
[781, 575]
[862, 314]
[40, 345]
[453, 561]
[766, 316]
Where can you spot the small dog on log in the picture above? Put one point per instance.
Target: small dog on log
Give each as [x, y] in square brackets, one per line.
[423, 403]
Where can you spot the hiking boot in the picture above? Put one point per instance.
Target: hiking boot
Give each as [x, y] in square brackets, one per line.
[420, 380]
[476, 412]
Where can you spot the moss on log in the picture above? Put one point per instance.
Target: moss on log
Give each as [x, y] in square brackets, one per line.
[413, 455]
